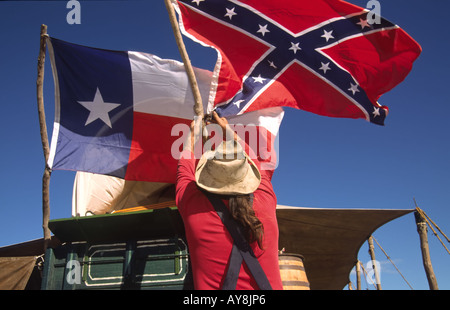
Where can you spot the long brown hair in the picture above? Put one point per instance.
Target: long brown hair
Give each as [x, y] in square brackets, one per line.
[241, 209]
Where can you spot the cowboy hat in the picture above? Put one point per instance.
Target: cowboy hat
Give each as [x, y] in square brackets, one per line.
[227, 170]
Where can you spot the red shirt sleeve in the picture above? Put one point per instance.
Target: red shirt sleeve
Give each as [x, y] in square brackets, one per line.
[185, 178]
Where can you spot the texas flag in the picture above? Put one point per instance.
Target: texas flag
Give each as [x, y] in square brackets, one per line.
[328, 57]
[122, 113]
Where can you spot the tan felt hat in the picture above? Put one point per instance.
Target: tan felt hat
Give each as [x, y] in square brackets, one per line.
[227, 170]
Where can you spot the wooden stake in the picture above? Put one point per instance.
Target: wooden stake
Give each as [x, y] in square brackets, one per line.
[198, 108]
[422, 230]
[375, 269]
[44, 137]
[358, 275]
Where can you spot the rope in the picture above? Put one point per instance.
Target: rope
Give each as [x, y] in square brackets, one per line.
[364, 274]
[350, 286]
[442, 233]
[428, 220]
[392, 262]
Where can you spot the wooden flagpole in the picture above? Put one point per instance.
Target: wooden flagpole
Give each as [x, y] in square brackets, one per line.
[198, 108]
[44, 137]
[358, 275]
[426, 258]
[375, 269]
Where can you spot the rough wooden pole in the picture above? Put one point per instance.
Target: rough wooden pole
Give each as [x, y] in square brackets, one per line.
[375, 269]
[358, 275]
[44, 137]
[198, 108]
[422, 230]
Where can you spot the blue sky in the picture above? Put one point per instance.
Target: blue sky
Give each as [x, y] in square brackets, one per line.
[324, 162]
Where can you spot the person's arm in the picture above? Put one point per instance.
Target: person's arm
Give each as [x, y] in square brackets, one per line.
[223, 123]
[193, 138]
[228, 132]
[186, 165]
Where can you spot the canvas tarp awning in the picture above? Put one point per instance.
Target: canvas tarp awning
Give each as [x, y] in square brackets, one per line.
[15, 272]
[18, 264]
[329, 239]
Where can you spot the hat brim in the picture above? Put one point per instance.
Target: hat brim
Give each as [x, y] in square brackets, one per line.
[208, 182]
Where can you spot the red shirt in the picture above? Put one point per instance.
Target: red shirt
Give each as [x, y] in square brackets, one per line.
[210, 243]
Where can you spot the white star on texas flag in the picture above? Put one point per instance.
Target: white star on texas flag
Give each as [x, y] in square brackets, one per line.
[98, 109]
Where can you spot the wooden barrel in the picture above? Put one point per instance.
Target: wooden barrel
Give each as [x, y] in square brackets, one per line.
[292, 271]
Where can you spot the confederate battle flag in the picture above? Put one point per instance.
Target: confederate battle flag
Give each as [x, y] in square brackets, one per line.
[323, 56]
